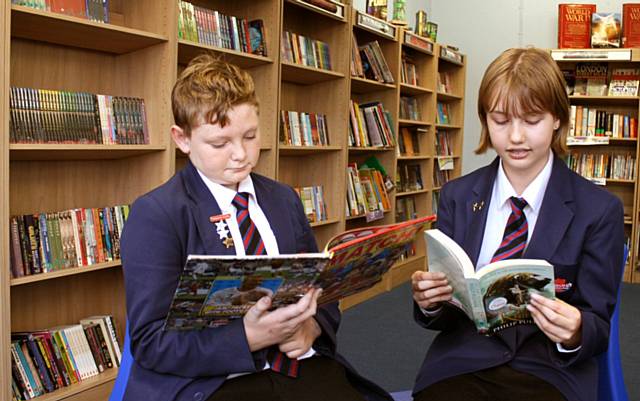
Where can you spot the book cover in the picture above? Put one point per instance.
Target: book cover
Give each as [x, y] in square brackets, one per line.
[606, 30]
[591, 79]
[574, 25]
[631, 25]
[624, 82]
[494, 297]
[214, 290]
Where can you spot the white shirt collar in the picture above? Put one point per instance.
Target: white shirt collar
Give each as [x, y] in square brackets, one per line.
[533, 194]
[223, 195]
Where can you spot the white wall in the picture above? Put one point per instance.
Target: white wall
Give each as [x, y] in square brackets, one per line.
[482, 30]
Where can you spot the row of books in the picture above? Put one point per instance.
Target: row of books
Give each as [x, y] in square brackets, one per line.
[46, 242]
[46, 360]
[53, 116]
[369, 62]
[582, 26]
[370, 125]
[444, 83]
[409, 178]
[409, 109]
[406, 208]
[303, 129]
[409, 73]
[589, 121]
[366, 192]
[594, 79]
[603, 165]
[211, 27]
[93, 10]
[443, 144]
[409, 141]
[305, 51]
[442, 115]
[313, 202]
[440, 176]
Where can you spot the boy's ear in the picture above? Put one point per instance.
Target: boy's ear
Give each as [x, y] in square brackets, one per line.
[181, 139]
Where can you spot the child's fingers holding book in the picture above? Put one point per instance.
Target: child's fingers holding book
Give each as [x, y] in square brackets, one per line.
[430, 289]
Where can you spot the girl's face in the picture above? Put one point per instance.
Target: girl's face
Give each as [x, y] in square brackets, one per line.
[522, 142]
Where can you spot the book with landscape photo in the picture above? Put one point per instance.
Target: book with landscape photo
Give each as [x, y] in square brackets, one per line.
[494, 297]
[216, 289]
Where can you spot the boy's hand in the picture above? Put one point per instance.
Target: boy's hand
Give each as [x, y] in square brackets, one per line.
[558, 320]
[430, 289]
[264, 328]
[302, 340]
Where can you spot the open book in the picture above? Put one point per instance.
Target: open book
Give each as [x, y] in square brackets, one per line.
[496, 296]
[213, 290]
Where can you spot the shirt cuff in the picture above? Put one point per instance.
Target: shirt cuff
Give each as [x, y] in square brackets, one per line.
[563, 350]
[431, 313]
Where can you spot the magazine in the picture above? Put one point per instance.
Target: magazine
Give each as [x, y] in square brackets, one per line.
[216, 289]
[496, 296]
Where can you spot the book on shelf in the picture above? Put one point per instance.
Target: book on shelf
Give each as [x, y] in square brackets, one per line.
[303, 129]
[213, 28]
[494, 297]
[305, 51]
[356, 67]
[442, 115]
[593, 122]
[53, 116]
[313, 202]
[630, 25]
[435, 200]
[569, 75]
[406, 208]
[574, 25]
[409, 72]
[48, 242]
[602, 166]
[444, 82]
[93, 10]
[591, 79]
[374, 64]
[440, 176]
[606, 30]
[214, 290]
[366, 192]
[409, 141]
[409, 109]
[443, 144]
[409, 177]
[46, 360]
[624, 81]
[370, 125]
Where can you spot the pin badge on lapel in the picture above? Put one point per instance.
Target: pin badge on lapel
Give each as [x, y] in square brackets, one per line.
[222, 229]
[478, 206]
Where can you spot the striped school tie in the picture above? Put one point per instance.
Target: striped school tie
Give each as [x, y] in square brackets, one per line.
[253, 245]
[515, 235]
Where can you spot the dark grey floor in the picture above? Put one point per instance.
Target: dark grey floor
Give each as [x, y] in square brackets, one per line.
[381, 340]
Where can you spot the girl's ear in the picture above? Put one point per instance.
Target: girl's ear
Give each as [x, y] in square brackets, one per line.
[556, 124]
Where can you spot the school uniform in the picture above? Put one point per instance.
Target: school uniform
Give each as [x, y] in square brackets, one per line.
[165, 226]
[579, 230]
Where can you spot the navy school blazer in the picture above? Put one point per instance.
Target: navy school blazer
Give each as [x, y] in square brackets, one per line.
[165, 226]
[580, 232]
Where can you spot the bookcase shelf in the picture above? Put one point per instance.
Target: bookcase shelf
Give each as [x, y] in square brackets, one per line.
[84, 387]
[187, 50]
[318, 10]
[289, 150]
[362, 85]
[28, 23]
[448, 96]
[368, 149]
[79, 152]
[404, 121]
[409, 193]
[448, 126]
[418, 157]
[302, 74]
[324, 223]
[407, 89]
[64, 272]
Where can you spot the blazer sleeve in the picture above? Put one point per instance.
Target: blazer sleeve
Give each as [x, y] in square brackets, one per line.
[597, 284]
[153, 256]
[448, 317]
[327, 316]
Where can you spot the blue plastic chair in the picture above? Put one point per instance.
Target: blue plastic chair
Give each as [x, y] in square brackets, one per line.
[610, 378]
[117, 393]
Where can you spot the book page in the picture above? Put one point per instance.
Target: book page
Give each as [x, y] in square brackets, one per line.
[506, 286]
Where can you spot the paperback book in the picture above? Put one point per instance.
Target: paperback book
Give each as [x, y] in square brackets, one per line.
[214, 290]
[494, 297]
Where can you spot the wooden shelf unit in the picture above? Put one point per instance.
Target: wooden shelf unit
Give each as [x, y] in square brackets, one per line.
[139, 54]
[626, 190]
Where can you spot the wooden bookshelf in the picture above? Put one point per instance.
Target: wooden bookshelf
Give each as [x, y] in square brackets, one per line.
[140, 55]
[625, 189]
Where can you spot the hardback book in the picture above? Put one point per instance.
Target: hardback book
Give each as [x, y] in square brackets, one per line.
[624, 82]
[591, 79]
[574, 25]
[496, 296]
[631, 25]
[257, 36]
[214, 290]
[606, 30]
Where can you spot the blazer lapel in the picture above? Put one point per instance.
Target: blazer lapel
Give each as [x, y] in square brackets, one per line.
[477, 208]
[556, 213]
[277, 214]
[204, 207]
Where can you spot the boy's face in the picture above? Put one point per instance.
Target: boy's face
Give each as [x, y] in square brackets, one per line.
[224, 155]
[522, 143]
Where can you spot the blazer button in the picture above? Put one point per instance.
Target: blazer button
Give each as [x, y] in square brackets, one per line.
[199, 396]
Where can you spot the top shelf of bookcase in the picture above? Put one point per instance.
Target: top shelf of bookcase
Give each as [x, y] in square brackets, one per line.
[32, 24]
[573, 55]
[339, 15]
[187, 50]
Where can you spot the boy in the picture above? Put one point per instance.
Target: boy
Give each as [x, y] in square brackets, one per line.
[534, 207]
[215, 205]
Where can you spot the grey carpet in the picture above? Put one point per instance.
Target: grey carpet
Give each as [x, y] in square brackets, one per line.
[381, 340]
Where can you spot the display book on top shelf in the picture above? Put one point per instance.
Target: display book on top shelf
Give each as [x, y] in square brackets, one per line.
[602, 138]
[120, 58]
